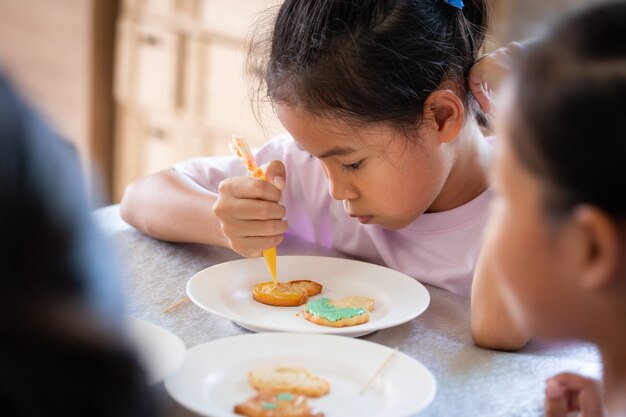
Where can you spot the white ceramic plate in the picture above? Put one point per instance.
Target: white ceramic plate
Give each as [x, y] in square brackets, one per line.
[214, 377]
[161, 352]
[226, 290]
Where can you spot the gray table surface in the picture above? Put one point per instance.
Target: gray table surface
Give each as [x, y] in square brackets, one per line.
[470, 381]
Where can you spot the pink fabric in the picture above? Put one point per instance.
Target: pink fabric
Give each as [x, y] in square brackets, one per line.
[440, 249]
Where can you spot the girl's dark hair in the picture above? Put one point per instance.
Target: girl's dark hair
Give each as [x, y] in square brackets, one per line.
[370, 60]
[571, 101]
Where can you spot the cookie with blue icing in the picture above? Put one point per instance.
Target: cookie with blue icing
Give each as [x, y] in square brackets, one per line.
[266, 404]
[348, 311]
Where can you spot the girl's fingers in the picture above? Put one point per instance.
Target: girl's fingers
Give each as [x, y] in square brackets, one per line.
[572, 382]
[276, 174]
[249, 213]
[228, 208]
[238, 229]
[578, 393]
[246, 209]
[555, 404]
[590, 403]
[265, 228]
[489, 72]
[480, 93]
[252, 247]
[249, 188]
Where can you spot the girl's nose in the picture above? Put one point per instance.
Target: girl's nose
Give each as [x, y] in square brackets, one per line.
[341, 190]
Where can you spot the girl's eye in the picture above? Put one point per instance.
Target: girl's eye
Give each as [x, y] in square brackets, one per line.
[352, 167]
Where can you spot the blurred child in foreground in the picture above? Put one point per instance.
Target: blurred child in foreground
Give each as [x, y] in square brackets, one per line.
[557, 235]
[62, 352]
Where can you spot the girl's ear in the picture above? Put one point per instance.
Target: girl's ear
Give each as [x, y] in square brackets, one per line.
[601, 248]
[445, 112]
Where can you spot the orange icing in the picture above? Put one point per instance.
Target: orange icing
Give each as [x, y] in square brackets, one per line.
[275, 291]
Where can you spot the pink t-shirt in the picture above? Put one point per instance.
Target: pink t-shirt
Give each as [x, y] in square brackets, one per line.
[440, 249]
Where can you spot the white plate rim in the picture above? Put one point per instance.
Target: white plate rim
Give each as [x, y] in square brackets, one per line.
[352, 331]
[136, 329]
[321, 338]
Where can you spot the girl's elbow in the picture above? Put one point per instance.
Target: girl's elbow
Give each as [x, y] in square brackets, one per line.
[127, 213]
[498, 337]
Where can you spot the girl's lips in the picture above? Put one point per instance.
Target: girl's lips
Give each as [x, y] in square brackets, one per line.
[362, 219]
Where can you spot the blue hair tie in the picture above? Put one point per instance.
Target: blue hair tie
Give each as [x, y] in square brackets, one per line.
[455, 3]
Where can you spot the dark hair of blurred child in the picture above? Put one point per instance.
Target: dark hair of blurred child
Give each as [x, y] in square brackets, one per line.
[62, 352]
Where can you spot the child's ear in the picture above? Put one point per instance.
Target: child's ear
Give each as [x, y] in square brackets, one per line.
[445, 112]
[601, 248]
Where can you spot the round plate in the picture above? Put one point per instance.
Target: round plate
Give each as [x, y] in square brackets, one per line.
[226, 290]
[214, 377]
[160, 351]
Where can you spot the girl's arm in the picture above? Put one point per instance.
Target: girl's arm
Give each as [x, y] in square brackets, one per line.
[244, 214]
[492, 322]
[171, 206]
[493, 325]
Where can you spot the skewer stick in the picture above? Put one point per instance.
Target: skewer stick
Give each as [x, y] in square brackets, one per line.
[380, 369]
[176, 304]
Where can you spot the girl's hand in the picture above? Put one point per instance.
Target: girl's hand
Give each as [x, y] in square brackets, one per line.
[489, 71]
[249, 211]
[568, 392]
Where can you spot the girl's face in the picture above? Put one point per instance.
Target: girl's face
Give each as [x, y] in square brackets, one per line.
[381, 178]
[533, 256]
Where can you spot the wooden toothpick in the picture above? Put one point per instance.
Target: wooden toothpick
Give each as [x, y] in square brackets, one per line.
[380, 369]
[176, 304]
